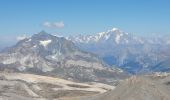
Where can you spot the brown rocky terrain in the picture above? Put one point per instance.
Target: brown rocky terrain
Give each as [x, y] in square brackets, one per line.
[149, 87]
[19, 86]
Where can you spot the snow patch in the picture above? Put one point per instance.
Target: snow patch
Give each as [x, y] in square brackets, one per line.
[34, 46]
[29, 40]
[45, 42]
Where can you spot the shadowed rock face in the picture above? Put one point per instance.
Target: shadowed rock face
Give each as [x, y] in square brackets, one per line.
[46, 54]
[163, 66]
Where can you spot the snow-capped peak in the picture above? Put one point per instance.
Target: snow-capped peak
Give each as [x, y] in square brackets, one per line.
[113, 36]
[105, 35]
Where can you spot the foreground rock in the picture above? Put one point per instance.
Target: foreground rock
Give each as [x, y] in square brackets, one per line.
[138, 88]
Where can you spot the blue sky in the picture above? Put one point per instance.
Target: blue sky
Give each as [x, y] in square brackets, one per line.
[67, 17]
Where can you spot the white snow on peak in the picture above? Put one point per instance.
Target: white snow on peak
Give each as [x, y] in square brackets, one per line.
[100, 35]
[115, 29]
[29, 40]
[45, 42]
[34, 46]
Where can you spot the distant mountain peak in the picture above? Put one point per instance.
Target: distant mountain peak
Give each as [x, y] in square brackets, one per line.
[43, 32]
[42, 35]
[114, 35]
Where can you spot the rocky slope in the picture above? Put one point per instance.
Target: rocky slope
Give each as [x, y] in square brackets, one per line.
[46, 54]
[149, 87]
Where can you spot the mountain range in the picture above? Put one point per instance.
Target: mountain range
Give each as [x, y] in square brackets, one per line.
[86, 67]
[49, 55]
[134, 54]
